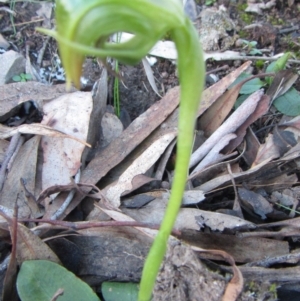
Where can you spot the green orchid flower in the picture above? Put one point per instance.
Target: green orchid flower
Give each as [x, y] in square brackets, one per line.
[84, 28]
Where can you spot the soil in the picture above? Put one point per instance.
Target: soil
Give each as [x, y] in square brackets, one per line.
[278, 31]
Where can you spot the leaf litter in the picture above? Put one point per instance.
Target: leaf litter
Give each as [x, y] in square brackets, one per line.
[263, 170]
[134, 153]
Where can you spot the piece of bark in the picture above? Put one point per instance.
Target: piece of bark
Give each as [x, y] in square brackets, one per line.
[241, 249]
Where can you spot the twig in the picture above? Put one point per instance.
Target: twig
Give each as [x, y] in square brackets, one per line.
[86, 225]
[42, 51]
[8, 10]
[8, 155]
[12, 159]
[236, 204]
[29, 22]
[295, 257]
[261, 58]
[225, 67]
[67, 201]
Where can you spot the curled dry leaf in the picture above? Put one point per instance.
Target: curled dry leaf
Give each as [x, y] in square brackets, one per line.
[36, 129]
[231, 125]
[266, 152]
[214, 155]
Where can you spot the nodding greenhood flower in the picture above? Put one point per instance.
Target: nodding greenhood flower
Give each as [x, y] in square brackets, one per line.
[84, 28]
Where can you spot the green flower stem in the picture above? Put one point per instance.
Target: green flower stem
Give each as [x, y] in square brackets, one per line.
[83, 28]
[191, 72]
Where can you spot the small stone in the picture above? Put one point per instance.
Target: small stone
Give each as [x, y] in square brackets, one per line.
[11, 64]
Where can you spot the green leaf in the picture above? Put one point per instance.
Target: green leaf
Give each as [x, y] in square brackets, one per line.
[17, 78]
[255, 51]
[27, 76]
[115, 291]
[249, 87]
[288, 103]
[279, 64]
[240, 100]
[39, 280]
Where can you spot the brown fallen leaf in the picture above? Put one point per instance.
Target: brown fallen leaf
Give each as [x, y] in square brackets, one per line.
[235, 285]
[31, 247]
[139, 166]
[62, 157]
[252, 146]
[231, 125]
[121, 147]
[215, 156]
[263, 172]
[16, 93]
[255, 202]
[9, 291]
[35, 129]
[260, 110]
[211, 94]
[219, 222]
[283, 81]
[266, 152]
[140, 129]
[23, 167]
[219, 110]
[242, 249]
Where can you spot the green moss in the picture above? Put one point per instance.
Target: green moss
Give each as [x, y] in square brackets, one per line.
[248, 18]
[291, 46]
[259, 64]
[273, 290]
[275, 21]
[243, 34]
[241, 7]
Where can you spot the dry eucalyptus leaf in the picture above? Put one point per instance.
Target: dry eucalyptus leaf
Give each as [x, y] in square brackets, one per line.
[36, 129]
[62, 157]
[219, 110]
[154, 211]
[281, 83]
[31, 247]
[139, 166]
[220, 222]
[242, 249]
[24, 167]
[119, 216]
[229, 126]
[266, 152]
[16, 93]
[3, 147]
[141, 128]
[185, 218]
[255, 202]
[214, 155]
[111, 127]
